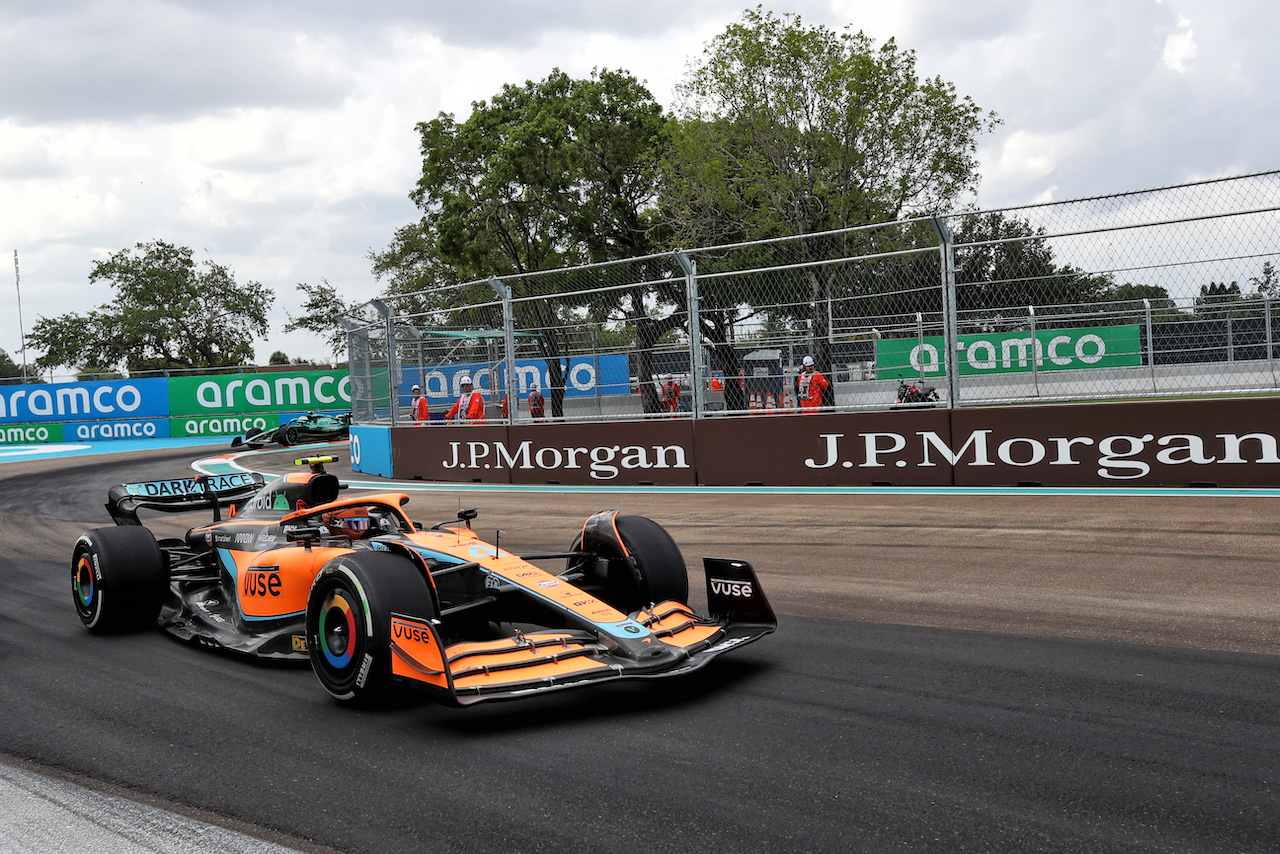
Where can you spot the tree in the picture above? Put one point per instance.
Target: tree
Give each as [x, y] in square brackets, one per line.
[1218, 300]
[793, 130]
[8, 368]
[167, 312]
[320, 312]
[1004, 263]
[279, 357]
[542, 177]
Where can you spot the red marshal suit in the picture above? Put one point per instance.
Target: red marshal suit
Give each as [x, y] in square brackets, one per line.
[469, 408]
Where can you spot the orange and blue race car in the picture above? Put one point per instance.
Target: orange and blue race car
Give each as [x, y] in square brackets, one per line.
[300, 570]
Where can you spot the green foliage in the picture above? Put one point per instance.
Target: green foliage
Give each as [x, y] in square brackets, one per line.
[279, 357]
[167, 312]
[788, 129]
[1008, 265]
[8, 368]
[792, 130]
[321, 309]
[546, 175]
[1217, 300]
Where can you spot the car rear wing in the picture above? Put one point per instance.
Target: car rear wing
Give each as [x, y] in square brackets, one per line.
[180, 494]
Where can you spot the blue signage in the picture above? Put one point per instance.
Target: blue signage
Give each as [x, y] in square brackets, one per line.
[371, 449]
[583, 376]
[96, 431]
[85, 401]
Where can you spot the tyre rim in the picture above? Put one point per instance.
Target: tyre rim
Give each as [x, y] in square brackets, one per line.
[337, 629]
[84, 586]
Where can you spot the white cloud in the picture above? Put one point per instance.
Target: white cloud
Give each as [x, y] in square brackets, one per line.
[1180, 47]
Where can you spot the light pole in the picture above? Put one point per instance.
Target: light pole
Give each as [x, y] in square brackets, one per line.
[22, 332]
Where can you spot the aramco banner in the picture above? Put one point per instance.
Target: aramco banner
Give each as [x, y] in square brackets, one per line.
[158, 407]
[582, 376]
[247, 393]
[107, 400]
[1013, 352]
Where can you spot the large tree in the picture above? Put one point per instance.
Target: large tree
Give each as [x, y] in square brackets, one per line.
[544, 176]
[167, 312]
[320, 309]
[8, 368]
[792, 130]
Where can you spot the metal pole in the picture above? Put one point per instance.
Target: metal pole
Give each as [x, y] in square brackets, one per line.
[393, 361]
[920, 344]
[595, 363]
[950, 334]
[22, 332]
[1271, 365]
[509, 344]
[1035, 352]
[690, 268]
[1151, 344]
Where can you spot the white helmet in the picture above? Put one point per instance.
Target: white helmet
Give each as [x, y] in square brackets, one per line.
[808, 361]
[465, 380]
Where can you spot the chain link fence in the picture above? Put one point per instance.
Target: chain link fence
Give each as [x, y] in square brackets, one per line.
[1159, 293]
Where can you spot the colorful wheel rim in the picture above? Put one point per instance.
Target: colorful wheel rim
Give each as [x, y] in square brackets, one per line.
[337, 629]
[84, 586]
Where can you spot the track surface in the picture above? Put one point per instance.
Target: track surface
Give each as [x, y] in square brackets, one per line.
[1011, 674]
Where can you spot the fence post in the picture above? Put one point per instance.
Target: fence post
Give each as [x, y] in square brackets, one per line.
[393, 360]
[359, 371]
[1271, 364]
[920, 343]
[508, 344]
[1035, 352]
[950, 334]
[1151, 344]
[690, 268]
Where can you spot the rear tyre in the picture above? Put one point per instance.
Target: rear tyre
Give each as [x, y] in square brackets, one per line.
[655, 573]
[119, 579]
[348, 622]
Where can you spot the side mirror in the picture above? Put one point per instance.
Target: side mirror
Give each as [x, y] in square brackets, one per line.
[305, 534]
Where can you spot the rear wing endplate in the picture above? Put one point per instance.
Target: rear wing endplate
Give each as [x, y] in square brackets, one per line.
[178, 495]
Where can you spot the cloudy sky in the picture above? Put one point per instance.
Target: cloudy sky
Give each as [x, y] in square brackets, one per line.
[277, 136]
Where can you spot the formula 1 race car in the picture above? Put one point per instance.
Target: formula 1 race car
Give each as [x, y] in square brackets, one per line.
[312, 427]
[377, 602]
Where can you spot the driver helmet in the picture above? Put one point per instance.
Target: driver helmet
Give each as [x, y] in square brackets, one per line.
[353, 522]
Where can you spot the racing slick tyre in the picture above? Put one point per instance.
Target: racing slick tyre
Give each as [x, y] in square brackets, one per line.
[287, 435]
[657, 574]
[119, 578]
[348, 622]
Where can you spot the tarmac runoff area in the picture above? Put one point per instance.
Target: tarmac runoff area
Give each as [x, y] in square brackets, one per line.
[44, 813]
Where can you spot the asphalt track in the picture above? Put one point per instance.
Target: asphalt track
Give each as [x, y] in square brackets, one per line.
[1023, 672]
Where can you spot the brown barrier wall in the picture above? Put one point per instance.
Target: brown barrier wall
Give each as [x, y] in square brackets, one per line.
[858, 449]
[1178, 443]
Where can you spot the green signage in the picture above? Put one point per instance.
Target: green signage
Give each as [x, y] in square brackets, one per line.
[30, 434]
[1013, 352]
[288, 391]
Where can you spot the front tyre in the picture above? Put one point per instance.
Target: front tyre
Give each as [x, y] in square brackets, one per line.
[643, 563]
[119, 579]
[348, 622]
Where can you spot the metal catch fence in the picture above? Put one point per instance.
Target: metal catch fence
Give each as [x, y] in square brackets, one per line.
[1157, 293]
